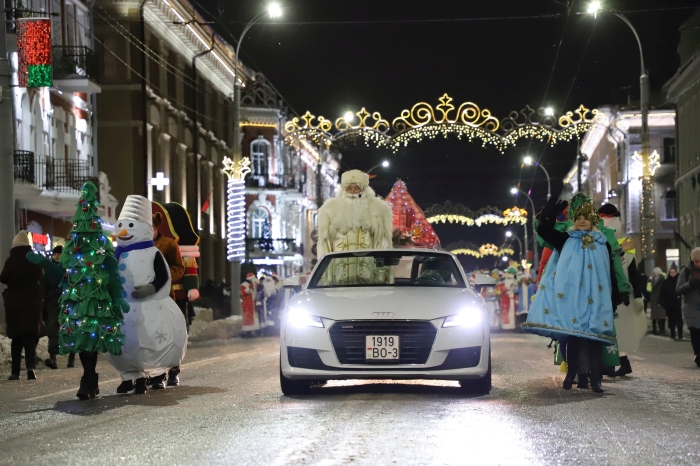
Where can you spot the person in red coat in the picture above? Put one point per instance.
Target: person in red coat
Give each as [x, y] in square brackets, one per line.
[24, 299]
[251, 322]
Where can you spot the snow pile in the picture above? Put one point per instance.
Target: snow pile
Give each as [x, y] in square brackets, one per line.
[42, 351]
[223, 329]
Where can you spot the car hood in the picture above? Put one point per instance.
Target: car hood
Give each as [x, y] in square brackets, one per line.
[404, 302]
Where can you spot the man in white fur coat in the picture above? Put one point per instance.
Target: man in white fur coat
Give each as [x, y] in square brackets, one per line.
[355, 219]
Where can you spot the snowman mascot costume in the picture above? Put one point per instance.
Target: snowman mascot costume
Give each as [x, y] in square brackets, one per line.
[155, 331]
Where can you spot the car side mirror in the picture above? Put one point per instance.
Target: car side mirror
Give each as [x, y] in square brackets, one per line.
[481, 280]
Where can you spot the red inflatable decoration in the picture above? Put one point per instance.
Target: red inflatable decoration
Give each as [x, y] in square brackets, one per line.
[409, 219]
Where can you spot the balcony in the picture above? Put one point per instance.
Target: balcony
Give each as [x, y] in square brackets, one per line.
[75, 69]
[284, 247]
[50, 174]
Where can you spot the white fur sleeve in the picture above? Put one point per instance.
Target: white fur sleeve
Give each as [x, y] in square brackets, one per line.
[384, 221]
[324, 222]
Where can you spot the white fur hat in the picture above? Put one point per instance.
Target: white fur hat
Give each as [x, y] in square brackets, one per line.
[354, 176]
[137, 208]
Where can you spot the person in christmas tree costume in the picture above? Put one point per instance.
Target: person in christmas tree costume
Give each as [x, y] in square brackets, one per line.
[155, 330]
[355, 219]
[91, 306]
[578, 291]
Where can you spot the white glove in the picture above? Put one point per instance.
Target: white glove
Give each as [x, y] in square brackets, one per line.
[638, 304]
[193, 294]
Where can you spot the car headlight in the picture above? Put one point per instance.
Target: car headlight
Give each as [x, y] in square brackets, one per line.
[297, 317]
[469, 317]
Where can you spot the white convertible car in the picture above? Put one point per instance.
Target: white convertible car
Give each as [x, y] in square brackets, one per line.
[386, 314]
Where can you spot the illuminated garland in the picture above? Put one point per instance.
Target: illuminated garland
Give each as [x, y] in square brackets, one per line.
[485, 250]
[425, 122]
[482, 220]
[235, 207]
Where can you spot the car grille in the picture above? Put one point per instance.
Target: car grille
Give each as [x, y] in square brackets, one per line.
[416, 339]
[460, 358]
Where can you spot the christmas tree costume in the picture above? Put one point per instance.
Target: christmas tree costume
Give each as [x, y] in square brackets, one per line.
[91, 305]
[155, 330]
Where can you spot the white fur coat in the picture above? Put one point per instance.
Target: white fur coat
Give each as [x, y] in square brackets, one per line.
[346, 213]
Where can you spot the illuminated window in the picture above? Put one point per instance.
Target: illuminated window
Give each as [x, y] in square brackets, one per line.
[259, 218]
[258, 157]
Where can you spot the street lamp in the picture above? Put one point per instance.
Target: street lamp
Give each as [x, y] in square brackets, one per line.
[504, 258]
[509, 234]
[549, 111]
[515, 191]
[349, 116]
[527, 160]
[647, 220]
[274, 11]
[384, 164]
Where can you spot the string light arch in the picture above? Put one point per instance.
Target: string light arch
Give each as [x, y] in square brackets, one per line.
[423, 121]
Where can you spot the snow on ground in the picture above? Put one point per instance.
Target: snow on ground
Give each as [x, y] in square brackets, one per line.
[42, 352]
[215, 330]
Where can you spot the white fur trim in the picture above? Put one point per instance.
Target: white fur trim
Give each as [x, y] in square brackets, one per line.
[354, 176]
[342, 214]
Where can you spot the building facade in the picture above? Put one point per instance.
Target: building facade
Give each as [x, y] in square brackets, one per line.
[283, 189]
[611, 173]
[684, 91]
[54, 127]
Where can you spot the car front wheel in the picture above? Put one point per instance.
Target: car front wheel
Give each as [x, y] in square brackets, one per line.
[480, 386]
[293, 387]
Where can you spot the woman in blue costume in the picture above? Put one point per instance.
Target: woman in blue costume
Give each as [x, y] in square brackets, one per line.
[578, 291]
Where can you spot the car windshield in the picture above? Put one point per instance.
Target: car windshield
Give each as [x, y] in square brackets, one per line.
[387, 268]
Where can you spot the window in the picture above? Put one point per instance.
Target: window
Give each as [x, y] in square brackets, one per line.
[670, 205]
[669, 150]
[258, 220]
[258, 156]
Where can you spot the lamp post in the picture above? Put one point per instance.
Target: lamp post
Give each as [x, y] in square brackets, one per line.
[536, 258]
[527, 160]
[384, 164]
[647, 214]
[238, 208]
[509, 234]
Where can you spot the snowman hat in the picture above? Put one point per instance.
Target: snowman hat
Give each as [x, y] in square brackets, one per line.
[137, 208]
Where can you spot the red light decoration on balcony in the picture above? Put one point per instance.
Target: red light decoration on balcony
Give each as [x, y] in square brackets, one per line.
[34, 52]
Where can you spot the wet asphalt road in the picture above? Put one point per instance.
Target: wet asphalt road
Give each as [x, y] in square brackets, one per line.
[229, 410]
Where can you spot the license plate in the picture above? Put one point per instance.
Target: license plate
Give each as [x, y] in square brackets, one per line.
[382, 347]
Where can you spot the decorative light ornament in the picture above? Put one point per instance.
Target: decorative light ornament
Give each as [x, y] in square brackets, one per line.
[34, 54]
[485, 250]
[235, 207]
[160, 181]
[423, 121]
[654, 161]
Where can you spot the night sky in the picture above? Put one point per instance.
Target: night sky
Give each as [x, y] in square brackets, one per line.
[331, 56]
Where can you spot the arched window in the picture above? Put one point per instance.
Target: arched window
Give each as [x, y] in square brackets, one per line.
[257, 220]
[258, 157]
[670, 205]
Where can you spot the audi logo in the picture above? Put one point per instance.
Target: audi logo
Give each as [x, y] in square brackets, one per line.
[382, 314]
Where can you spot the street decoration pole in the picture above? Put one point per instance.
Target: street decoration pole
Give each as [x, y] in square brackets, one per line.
[235, 222]
[536, 258]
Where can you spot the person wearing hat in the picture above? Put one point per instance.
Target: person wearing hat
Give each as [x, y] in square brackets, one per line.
[52, 293]
[508, 291]
[250, 322]
[23, 299]
[689, 287]
[355, 219]
[578, 292]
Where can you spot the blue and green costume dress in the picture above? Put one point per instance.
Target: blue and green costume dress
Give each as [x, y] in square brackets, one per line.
[578, 290]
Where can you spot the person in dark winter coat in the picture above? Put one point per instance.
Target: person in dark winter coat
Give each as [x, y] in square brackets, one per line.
[688, 286]
[52, 293]
[658, 314]
[23, 304]
[671, 302]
